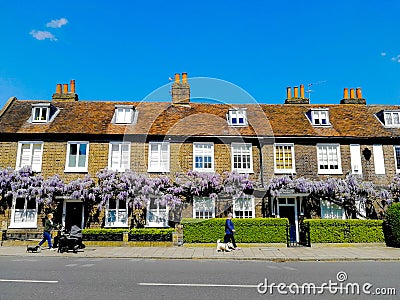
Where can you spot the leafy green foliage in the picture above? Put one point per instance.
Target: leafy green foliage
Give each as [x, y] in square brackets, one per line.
[392, 225]
[345, 231]
[258, 230]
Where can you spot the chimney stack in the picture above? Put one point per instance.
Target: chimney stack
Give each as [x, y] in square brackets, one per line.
[62, 93]
[180, 90]
[355, 96]
[296, 99]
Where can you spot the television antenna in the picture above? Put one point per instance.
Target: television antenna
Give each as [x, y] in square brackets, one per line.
[309, 90]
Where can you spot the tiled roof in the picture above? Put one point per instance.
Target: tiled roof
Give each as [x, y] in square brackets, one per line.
[162, 118]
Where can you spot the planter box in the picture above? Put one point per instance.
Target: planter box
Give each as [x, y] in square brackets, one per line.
[103, 237]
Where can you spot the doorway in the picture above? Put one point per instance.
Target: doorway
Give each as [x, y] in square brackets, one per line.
[287, 208]
[72, 214]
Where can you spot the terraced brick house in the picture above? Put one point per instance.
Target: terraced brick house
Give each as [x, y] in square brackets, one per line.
[71, 138]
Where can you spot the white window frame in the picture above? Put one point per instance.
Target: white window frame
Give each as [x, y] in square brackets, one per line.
[122, 160]
[317, 117]
[116, 217]
[289, 169]
[331, 210]
[124, 114]
[23, 217]
[34, 161]
[160, 161]
[156, 216]
[237, 117]
[203, 208]
[241, 152]
[397, 158]
[391, 118]
[243, 207]
[355, 157]
[379, 159]
[200, 151]
[324, 152]
[44, 111]
[76, 168]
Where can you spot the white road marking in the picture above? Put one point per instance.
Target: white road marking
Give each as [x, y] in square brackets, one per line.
[197, 285]
[28, 281]
[87, 265]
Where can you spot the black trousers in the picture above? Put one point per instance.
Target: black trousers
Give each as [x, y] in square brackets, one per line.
[229, 238]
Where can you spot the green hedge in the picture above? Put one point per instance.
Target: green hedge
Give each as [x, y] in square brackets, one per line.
[258, 230]
[345, 231]
[392, 226]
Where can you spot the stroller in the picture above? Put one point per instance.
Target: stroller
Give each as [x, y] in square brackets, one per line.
[70, 241]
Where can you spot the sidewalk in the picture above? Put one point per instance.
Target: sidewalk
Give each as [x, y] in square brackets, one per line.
[248, 252]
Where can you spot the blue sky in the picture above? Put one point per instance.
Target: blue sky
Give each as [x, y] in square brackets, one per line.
[124, 50]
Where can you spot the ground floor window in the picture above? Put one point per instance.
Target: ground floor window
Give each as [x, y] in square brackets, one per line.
[157, 214]
[203, 208]
[116, 213]
[331, 210]
[24, 213]
[243, 207]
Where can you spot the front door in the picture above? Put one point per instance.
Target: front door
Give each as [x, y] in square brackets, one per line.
[287, 209]
[73, 214]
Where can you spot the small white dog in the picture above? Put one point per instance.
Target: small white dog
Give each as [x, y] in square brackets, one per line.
[224, 247]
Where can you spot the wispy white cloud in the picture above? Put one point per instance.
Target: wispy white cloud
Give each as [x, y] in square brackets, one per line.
[396, 58]
[57, 23]
[383, 53]
[42, 35]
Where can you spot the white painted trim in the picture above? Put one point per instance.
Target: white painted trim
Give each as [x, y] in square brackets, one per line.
[379, 160]
[65, 211]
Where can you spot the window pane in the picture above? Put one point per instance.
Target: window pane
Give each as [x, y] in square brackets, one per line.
[112, 204]
[19, 203]
[397, 151]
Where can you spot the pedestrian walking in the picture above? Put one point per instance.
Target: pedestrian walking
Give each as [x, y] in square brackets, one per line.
[48, 227]
[230, 231]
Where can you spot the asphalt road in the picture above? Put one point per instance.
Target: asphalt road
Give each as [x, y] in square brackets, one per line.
[84, 278]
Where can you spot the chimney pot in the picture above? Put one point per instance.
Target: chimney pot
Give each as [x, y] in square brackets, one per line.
[72, 82]
[358, 93]
[296, 92]
[184, 77]
[345, 93]
[58, 88]
[302, 91]
[352, 96]
[288, 92]
[177, 78]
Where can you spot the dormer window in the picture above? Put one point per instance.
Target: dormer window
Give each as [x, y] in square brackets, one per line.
[124, 114]
[392, 118]
[320, 117]
[237, 117]
[43, 112]
[40, 112]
